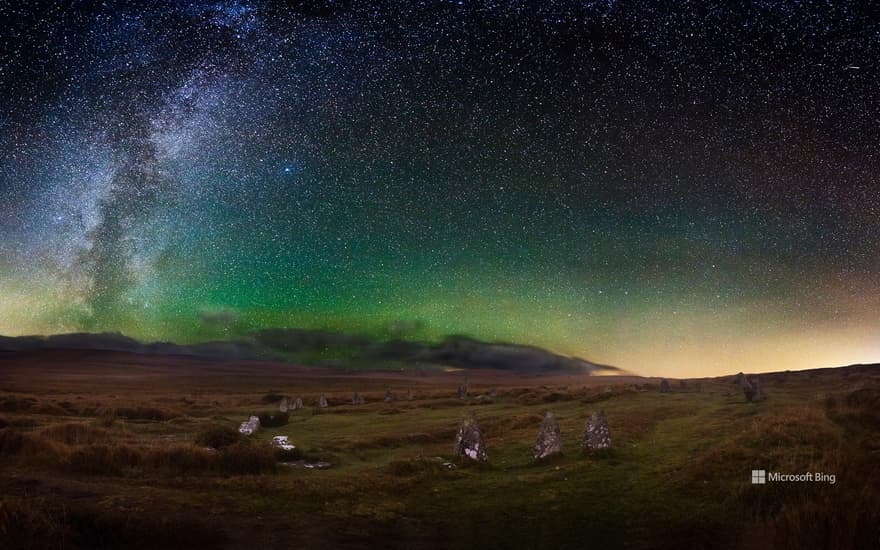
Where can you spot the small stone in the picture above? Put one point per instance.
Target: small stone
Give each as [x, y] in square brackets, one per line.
[664, 386]
[549, 440]
[282, 442]
[469, 441]
[322, 401]
[597, 435]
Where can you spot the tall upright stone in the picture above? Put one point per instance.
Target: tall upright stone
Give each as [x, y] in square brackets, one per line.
[759, 391]
[549, 442]
[298, 404]
[463, 389]
[664, 386]
[284, 405]
[389, 397]
[357, 399]
[469, 441]
[597, 435]
[409, 394]
[322, 401]
[752, 389]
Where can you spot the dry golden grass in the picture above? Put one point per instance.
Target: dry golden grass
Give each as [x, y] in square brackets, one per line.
[111, 451]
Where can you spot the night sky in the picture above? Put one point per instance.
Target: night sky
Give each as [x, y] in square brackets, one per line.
[675, 188]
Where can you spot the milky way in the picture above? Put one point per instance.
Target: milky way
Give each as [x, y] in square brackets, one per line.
[668, 187]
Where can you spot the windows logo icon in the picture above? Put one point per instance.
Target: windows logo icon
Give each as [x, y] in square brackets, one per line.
[759, 477]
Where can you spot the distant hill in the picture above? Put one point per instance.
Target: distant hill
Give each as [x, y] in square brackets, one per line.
[309, 346]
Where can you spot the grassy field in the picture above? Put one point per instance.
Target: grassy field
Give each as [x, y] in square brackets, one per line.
[107, 450]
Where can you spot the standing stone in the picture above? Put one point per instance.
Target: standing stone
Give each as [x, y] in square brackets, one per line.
[759, 391]
[753, 391]
[322, 401]
[682, 384]
[298, 404]
[747, 387]
[409, 394]
[549, 440]
[249, 427]
[357, 399]
[284, 405]
[469, 441]
[664, 386]
[463, 390]
[389, 397]
[597, 435]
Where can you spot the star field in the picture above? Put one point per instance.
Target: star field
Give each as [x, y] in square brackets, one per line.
[681, 188]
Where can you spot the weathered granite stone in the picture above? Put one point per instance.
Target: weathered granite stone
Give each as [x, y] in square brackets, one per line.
[549, 440]
[282, 442]
[357, 399]
[597, 435]
[664, 386]
[748, 388]
[298, 404]
[759, 392]
[389, 397]
[284, 405]
[322, 401]
[409, 394]
[250, 426]
[469, 441]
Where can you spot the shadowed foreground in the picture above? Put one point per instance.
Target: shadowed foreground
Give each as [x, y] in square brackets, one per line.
[109, 450]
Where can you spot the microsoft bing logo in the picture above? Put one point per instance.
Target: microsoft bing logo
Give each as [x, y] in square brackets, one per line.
[759, 477]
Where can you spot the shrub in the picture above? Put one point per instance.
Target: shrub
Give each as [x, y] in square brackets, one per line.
[274, 419]
[219, 437]
[37, 450]
[247, 458]
[145, 413]
[178, 458]
[74, 433]
[103, 459]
